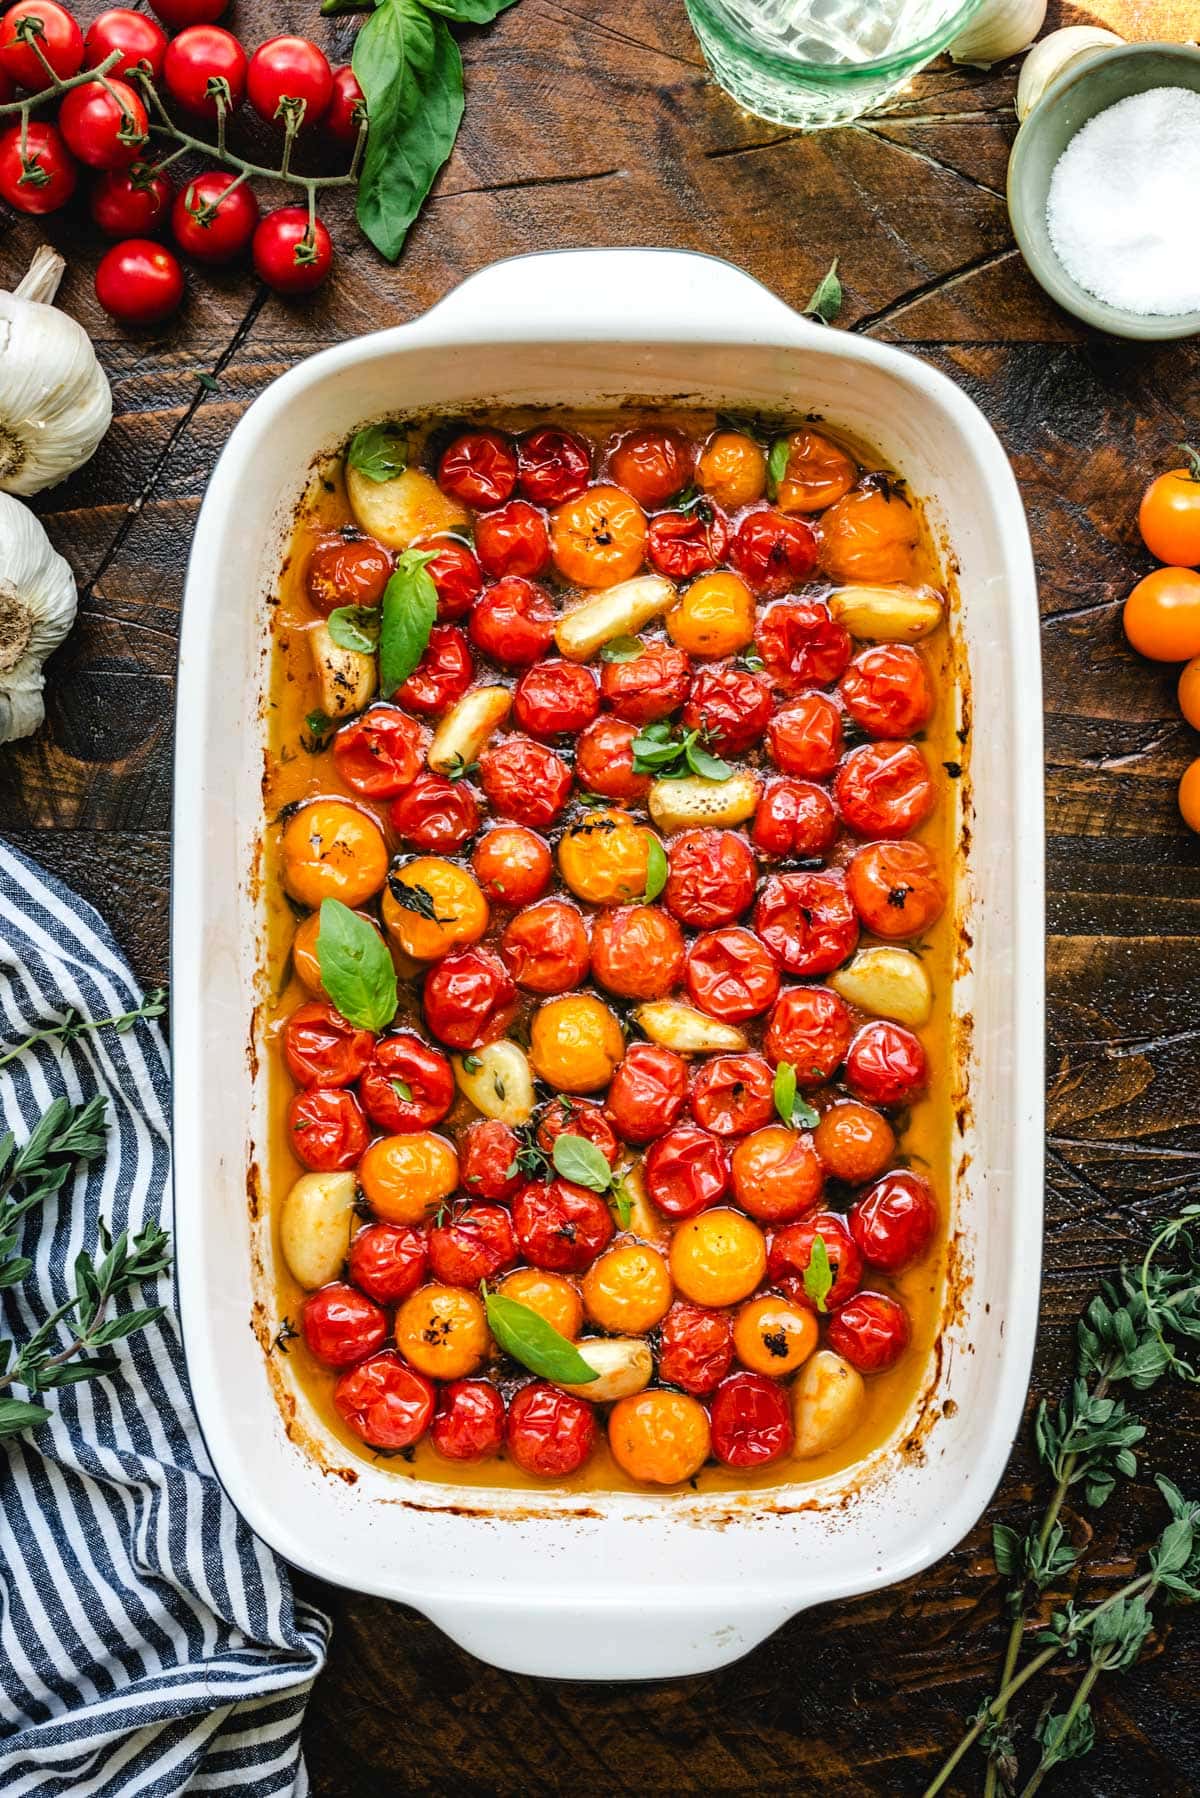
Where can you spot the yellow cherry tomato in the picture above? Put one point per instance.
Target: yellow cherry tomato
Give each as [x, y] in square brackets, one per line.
[575, 1043]
[605, 858]
[552, 1297]
[715, 617]
[331, 850]
[773, 1335]
[1188, 692]
[818, 472]
[659, 1437]
[870, 535]
[1162, 615]
[1169, 515]
[733, 469]
[453, 896]
[628, 1289]
[599, 538]
[1189, 795]
[405, 1177]
[718, 1258]
[442, 1332]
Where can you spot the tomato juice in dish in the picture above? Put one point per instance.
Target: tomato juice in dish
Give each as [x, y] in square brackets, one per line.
[645, 1182]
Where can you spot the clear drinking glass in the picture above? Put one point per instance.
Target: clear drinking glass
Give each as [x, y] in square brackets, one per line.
[812, 63]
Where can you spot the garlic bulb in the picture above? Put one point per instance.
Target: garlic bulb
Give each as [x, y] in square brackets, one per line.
[37, 606]
[55, 402]
[1055, 57]
[999, 29]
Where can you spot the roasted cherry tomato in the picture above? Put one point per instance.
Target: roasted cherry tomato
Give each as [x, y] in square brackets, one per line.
[474, 1244]
[711, 879]
[381, 753]
[105, 123]
[733, 469]
[549, 1433]
[807, 921]
[512, 865]
[468, 1424]
[886, 690]
[513, 622]
[322, 1049]
[649, 685]
[487, 1160]
[817, 472]
[751, 1421]
[443, 674]
[714, 617]
[436, 813]
[805, 737]
[871, 1331]
[327, 1129]
[1169, 515]
[512, 540]
[443, 1331]
[653, 464]
[404, 1178]
[388, 1261]
[637, 951]
[560, 1226]
[683, 544]
[331, 850]
[776, 1175]
[810, 1028]
[431, 906]
[1162, 615]
[553, 466]
[407, 1085]
[340, 1325]
[884, 789]
[576, 1117]
[695, 1347]
[347, 108]
[202, 62]
[854, 1142]
[801, 645]
[794, 819]
[575, 1042]
[456, 574]
[604, 761]
[894, 1221]
[347, 571]
[130, 202]
[774, 553]
[524, 780]
[731, 975]
[56, 34]
[886, 1064]
[552, 1296]
[545, 947]
[627, 1290]
[292, 252]
[731, 706]
[648, 1092]
[686, 1170]
[469, 999]
[732, 1094]
[213, 219]
[895, 888]
[660, 1438]
[598, 538]
[718, 1257]
[556, 698]
[479, 469]
[386, 1402]
[789, 1260]
[774, 1335]
[289, 75]
[870, 535]
[605, 859]
[138, 282]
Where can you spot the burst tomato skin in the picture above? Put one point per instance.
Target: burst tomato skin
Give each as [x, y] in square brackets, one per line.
[525, 781]
[328, 1132]
[773, 552]
[469, 999]
[561, 1227]
[731, 705]
[686, 1170]
[807, 921]
[886, 690]
[487, 1160]
[751, 1421]
[442, 676]
[790, 1254]
[545, 947]
[711, 879]
[896, 888]
[512, 865]
[456, 574]
[810, 1028]
[805, 737]
[637, 951]
[476, 1244]
[512, 540]
[347, 571]
[436, 813]
[468, 1424]
[549, 1433]
[388, 1261]
[871, 1331]
[894, 1221]
[379, 754]
[731, 975]
[648, 1092]
[553, 466]
[886, 1064]
[683, 544]
[555, 698]
[479, 469]
[794, 818]
[801, 645]
[322, 1049]
[385, 1401]
[604, 761]
[341, 1325]
[578, 1118]
[884, 789]
[650, 685]
[695, 1348]
[653, 464]
[513, 622]
[733, 1094]
[421, 1070]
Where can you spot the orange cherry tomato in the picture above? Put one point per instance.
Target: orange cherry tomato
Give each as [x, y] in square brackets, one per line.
[870, 535]
[1162, 615]
[333, 851]
[599, 538]
[733, 469]
[1188, 692]
[653, 464]
[818, 472]
[1169, 515]
[1189, 796]
[659, 1437]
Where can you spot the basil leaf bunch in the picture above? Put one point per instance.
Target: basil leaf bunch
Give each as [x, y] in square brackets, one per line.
[536, 1344]
[656, 750]
[357, 971]
[583, 1164]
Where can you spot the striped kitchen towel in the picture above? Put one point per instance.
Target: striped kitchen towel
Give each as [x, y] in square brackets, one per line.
[149, 1643]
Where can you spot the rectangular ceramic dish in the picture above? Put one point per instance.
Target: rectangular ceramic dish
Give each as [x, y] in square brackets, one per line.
[610, 1585]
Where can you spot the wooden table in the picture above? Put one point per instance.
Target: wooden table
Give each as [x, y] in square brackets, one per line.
[589, 124]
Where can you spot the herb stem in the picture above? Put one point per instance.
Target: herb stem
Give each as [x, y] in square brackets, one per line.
[151, 1007]
[1073, 1709]
[58, 87]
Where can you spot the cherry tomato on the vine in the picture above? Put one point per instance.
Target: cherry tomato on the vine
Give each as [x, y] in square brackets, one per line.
[289, 256]
[130, 202]
[58, 38]
[1162, 615]
[347, 108]
[139, 282]
[1169, 515]
[40, 176]
[141, 43]
[289, 75]
[204, 64]
[214, 216]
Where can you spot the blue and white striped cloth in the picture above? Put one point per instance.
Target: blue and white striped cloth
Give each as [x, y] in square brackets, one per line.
[149, 1643]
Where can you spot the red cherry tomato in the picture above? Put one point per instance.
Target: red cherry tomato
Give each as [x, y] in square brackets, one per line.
[731, 706]
[553, 466]
[436, 813]
[322, 1049]
[801, 645]
[289, 75]
[380, 754]
[105, 124]
[884, 789]
[894, 1221]
[683, 544]
[141, 43]
[711, 879]
[175, 14]
[513, 622]
[468, 1424]
[545, 947]
[407, 1085]
[512, 540]
[476, 1244]
[40, 177]
[561, 1227]
[604, 761]
[289, 256]
[895, 888]
[731, 975]
[388, 1261]
[774, 552]
[794, 819]
[733, 1094]
[347, 571]
[213, 220]
[654, 464]
[385, 1401]
[58, 38]
[340, 1325]
[648, 1092]
[637, 951]
[807, 920]
[806, 737]
[327, 1129]
[549, 1433]
[790, 1256]
[139, 283]
[524, 780]
[886, 690]
[347, 108]
[555, 698]
[130, 202]
[469, 999]
[512, 865]
[443, 674]
[751, 1421]
[810, 1028]
[456, 574]
[686, 1170]
[871, 1331]
[885, 1064]
[487, 1160]
[650, 685]
[204, 64]
[479, 469]
[695, 1348]
[577, 1117]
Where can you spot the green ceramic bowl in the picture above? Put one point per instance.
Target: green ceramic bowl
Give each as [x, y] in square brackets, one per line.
[1110, 76]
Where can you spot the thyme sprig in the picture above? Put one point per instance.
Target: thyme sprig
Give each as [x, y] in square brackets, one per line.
[75, 1025]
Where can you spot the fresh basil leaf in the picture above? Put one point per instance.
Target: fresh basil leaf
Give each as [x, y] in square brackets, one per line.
[357, 971]
[468, 12]
[410, 605]
[319, 723]
[330, 9]
[785, 1091]
[410, 72]
[537, 1345]
[581, 1162]
[657, 869]
[402, 1090]
[818, 1275]
[804, 1115]
[621, 1200]
[777, 463]
[380, 452]
[709, 767]
[825, 301]
[355, 627]
[622, 649]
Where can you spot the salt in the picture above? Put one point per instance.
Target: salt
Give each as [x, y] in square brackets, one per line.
[1122, 207]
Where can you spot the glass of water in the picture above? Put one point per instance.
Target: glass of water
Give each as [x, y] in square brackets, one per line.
[812, 63]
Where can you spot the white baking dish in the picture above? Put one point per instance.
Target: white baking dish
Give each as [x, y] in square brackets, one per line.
[613, 1586]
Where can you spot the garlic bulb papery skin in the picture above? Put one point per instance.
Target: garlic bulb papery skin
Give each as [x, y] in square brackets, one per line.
[37, 608]
[999, 29]
[55, 401]
[1056, 56]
